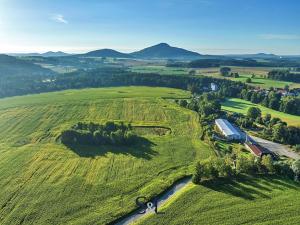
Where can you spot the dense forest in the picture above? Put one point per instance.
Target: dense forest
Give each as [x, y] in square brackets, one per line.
[11, 67]
[109, 76]
[284, 75]
[95, 134]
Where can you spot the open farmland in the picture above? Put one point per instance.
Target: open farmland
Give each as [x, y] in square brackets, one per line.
[241, 106]
[262, 200]
[163, 70]
[44, 182]
[259, 80]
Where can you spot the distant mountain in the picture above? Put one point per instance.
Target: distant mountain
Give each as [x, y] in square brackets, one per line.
[46, 54]
[54, 54]
[165, 51]
[255, 56]
[106, 53]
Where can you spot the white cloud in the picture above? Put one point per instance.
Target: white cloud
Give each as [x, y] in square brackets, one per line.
[59, 18]
[279, 36]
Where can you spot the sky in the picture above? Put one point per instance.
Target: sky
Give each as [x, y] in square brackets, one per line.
[205, 26]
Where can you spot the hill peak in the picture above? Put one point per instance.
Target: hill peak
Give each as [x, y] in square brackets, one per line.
[162, 45]
[165, 51]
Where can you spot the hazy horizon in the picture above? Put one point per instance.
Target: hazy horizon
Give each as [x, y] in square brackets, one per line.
[214, 27]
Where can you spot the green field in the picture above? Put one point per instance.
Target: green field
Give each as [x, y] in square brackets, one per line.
[241, 106]
[163, 70]
[265, 200]
[245, 72]
[44, 182]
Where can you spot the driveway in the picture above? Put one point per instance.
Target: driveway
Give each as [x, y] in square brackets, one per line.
[276, 148]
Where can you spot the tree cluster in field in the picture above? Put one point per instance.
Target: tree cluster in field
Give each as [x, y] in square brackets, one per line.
[273, 100]
[231, 166]
[284, 75]
[226, 72]
[95, 134]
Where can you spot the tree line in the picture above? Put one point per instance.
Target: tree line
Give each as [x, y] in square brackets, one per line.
[217, 62]
[273, 100]
[95, 134]
[284, 75]
[232, 166]
[109, 76]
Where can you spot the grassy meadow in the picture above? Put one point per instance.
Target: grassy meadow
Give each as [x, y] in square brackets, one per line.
[262, 200]
[163, 70]
[241, 106]
[44, 182]
[245, 72]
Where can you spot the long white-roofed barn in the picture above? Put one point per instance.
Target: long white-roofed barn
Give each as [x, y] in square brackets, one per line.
[228, 130]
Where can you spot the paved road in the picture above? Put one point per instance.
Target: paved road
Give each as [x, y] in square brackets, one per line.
[276, 148]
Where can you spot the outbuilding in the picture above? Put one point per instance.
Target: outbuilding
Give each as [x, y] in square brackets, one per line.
[228, 130]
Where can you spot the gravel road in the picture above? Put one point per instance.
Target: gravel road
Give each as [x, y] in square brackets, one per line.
[276, 148]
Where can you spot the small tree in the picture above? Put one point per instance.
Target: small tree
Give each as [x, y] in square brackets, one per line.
[224, 71]
[183, 103]
[242, 165]
[199, 172]
[229, 149]
[296, 169]
[267, 164]
[192, 72]
[254, 112]
[286, 87]
[248, 80]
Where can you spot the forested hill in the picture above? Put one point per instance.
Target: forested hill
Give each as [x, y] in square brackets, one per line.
[19, 77]
[11, 67]
[165, 51]
[106, 53]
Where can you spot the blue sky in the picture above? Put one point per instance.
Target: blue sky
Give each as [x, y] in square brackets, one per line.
[205, 26]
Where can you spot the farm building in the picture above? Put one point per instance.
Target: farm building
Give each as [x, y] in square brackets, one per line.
[228, 130]
[213, 87]
[257, 150]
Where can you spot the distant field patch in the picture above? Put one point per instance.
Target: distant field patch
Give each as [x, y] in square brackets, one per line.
[241, 106]
[163, 70]
[259, 80]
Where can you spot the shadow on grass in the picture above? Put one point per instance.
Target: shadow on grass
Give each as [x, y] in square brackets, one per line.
[241, 187]
[141, 149]
[237, 105]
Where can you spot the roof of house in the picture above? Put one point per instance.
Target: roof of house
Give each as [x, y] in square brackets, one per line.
[258, 150]
[227, 127]
[255, 149]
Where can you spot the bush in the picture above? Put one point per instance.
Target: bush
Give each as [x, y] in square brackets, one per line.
[248, 80]
[254, 113]
[297, 148]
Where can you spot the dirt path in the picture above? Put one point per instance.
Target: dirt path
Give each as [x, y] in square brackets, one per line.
[276, 148]
[133, 217]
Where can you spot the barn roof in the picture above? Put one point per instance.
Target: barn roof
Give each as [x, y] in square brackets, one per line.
[227, 127]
